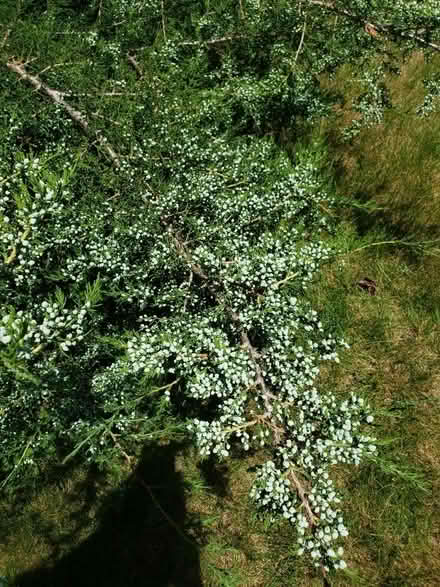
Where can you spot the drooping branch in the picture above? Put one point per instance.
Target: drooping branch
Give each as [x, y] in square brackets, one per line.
[19, 68]
[373, 27]
[310, 516]
[268, 397]
[214, 289]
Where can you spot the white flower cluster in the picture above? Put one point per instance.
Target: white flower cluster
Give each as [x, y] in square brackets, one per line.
[319, 526]
[132, 8]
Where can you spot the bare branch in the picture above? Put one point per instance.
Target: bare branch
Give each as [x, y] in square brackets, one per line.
[57, 97]
[135, 65]
[97, 115]
[301, 41]
[102, 94]
[311, 518]
[213, 288]
[162, 8]
[212, 41]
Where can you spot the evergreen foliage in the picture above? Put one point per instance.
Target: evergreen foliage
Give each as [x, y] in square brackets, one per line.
[158, 241]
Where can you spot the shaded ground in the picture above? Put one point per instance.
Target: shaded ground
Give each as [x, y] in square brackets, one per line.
[139, 539]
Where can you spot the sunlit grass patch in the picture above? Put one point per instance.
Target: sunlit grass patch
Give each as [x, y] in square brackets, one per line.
[394, 164]
[392, 362]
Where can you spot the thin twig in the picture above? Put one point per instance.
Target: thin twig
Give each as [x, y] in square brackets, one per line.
[100, 10]
[164, 513]
[213, 288]
[57, 97]
[267, 396]
[311, 518]
[162, 8]
[5, 38]
[395, 242]
[326, 210]
[96, 115]
[190, 280]
[6, 179]
[215, 41]
[288, 277]
[212, 41]
[127, 457]
[60, 65]
[301, 41]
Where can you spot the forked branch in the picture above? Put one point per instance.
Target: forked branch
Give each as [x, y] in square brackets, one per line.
[268, 397]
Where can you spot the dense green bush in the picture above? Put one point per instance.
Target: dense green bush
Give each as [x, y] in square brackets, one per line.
[155, 270]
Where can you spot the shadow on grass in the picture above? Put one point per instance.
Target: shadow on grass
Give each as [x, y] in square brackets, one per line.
[141, 536]
[216, 476]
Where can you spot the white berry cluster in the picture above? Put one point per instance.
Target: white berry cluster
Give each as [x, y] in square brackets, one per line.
[55, 324]
[211, 276]
[172, 293]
